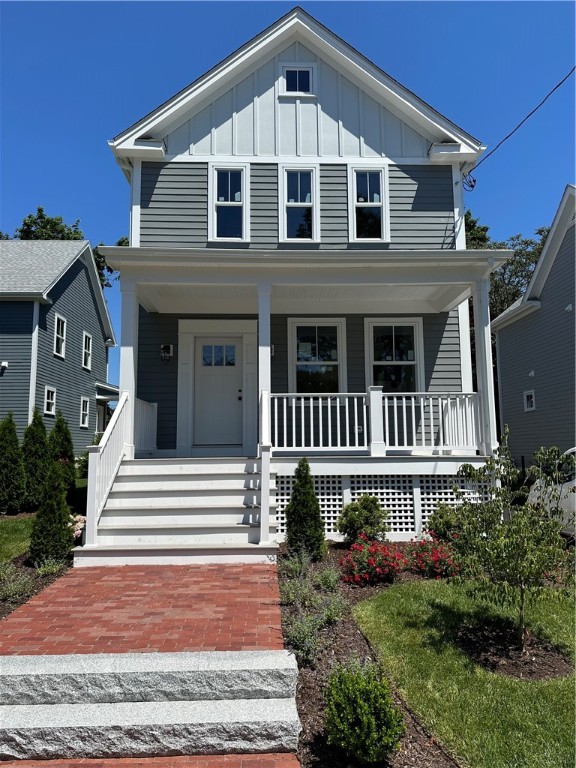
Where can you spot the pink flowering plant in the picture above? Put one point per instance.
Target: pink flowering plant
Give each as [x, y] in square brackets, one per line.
[371, 562]
[432, 558]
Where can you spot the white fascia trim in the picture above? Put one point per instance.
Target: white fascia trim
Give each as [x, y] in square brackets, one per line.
[33, 361]
[417, 323]
[340, 323]
[322, 159]
[522, 310]
[382, 168]
[282, 199]
[213, 167]
[217, 327]
[135, 203]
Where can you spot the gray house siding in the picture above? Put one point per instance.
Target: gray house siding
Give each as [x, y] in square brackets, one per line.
[158, 381]
[16, 319]
[174, 209]
[72, 298]
[537, 353]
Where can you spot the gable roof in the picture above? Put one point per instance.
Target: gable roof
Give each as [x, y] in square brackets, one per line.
[29, 269]
[144, 138]
[563, 219]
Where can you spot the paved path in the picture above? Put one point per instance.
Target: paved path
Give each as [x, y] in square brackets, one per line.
[149, 608]
[210, 761]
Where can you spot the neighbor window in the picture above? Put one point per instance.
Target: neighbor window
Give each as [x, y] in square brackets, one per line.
[368, 209]
[529, 401]
[300, 204]
[297, 79]
[84, 412]
[393, 359]
[317, 352]
[59, 335]
[50, 401]
[87, 351]
[229, 218]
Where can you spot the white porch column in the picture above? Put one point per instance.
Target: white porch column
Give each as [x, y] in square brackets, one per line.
[264, 380]
[129, 357]
[484, 375]
[377, 444]
[264, 375]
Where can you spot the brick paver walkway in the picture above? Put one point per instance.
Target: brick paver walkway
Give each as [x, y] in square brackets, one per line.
[150, 608]
[209, 761]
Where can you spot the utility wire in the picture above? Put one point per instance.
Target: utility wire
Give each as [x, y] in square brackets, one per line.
[469, 180]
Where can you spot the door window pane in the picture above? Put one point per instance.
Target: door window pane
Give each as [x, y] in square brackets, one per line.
[230, 355]
[218, 355]
[206, 355]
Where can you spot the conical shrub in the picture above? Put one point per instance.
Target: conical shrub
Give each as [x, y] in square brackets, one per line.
[304, 525]
[36, 457]
[62, 450]
[12, 478]
[52, 537]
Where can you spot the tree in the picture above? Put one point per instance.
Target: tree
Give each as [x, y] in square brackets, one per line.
[476, 234]
[52, 537]
[12, 478]
[304, 526]
[104, 271]
[62, 450]
[36, 458]
[4, 236]
[39, 226]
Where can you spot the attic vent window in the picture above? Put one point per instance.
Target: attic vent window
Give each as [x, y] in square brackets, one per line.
[297, 80]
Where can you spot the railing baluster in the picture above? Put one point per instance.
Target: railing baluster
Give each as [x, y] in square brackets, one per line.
[395, 422]
[365, 417]
[338, 433]
[386, 423]
[405, 424]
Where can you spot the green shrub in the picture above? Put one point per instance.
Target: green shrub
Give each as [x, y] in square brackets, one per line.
[363, 516]
[327, 579]
[304, 525]
[15, 585]
[294, 566]
[52, 536]
[333, 609]
[301, 636]
[62, 450]
[51, 567]
[36, 457]
[446, 523]
[12, 477]
[361, 717]
[299, 592]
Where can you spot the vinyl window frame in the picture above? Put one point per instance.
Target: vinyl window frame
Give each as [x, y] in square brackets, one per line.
[84, 422]
[416, 322]
[340, 323]
[529, 400]
[384, 203]
[57, 336]
[47, 401]
[283, 203]
[301, 66]
[86, 337]
[213, 169]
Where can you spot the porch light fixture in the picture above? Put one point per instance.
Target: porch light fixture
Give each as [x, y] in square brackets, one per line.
[166, 352]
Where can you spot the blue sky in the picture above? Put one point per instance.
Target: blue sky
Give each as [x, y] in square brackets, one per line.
[75, 74]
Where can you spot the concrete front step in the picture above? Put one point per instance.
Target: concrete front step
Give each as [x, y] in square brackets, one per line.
[117, 677]
[148, 728]
[174, 554]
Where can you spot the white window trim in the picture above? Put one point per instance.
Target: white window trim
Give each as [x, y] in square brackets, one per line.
[527, 408]
[56, 318]
[47, 412]
[417, 324]
[84, 337]
[283, 201]
[340, 323]
[311, 67]
[382, 168]
[213, 168]
[87, 401]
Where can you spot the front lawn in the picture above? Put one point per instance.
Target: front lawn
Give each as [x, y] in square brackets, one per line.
[14, 536]
[488, 720]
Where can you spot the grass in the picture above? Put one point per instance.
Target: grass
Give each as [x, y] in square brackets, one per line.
[14, 536]
[486, 720]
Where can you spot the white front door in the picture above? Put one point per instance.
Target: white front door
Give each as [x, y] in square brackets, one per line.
[218, 393]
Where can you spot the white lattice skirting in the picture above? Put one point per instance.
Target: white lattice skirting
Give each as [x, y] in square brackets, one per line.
[409, 499]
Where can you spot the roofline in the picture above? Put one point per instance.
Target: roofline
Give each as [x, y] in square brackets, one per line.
[510, 316]
[25, 296]
[297, 14]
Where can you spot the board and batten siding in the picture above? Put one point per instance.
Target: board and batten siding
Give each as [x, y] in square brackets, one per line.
[537, 353]
[16, 319]
[72, 298]
[174, 208]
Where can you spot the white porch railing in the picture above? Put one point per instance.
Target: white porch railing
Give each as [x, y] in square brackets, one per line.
[145, 425]
[103, 463]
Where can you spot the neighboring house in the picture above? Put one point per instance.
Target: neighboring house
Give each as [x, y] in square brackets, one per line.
[536, 347]
[296, 285]
[54, 336]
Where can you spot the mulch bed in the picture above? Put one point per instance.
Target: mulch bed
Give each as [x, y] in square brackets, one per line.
[39, 582]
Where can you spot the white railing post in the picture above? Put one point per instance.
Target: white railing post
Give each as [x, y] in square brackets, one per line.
[265, 447]
[91, 500]
[376, 415]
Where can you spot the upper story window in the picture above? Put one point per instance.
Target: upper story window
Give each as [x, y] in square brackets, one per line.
[84, 412]
[59, 335]
[228, 203]
[369, 218]
[299, 213]
[49, 401]
[297, 80]
[87, 351]
[394, 354]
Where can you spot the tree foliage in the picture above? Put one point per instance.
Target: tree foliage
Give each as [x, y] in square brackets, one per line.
[12, 478]
[36, 456]
[52, 536]
[62, 450]
[304, 526]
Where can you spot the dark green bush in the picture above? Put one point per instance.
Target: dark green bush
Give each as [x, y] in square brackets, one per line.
[363, 516]
[361, 717]
[52, 536]
[36, 458]
[12, 478]
[62, 450]
[304, 525]
[446, 523]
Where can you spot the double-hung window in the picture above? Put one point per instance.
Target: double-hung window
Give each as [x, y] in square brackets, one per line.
[229, 203]
[49, 401]
[86, 351]
[394, 354]
[317, 355]
[59, 335]
[299, 212]
[369, 220]
[84, 412]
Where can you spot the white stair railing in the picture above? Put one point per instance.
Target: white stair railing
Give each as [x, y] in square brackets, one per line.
[103, 463]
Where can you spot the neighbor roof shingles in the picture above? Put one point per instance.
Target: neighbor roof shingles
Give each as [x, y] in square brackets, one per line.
[32, 266]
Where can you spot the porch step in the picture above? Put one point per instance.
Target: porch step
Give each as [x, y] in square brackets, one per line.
[205, 497]
[175, 554]
[184, 482]
[218, 465]
[168, 516]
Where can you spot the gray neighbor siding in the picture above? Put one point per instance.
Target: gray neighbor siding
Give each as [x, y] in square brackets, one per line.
[174, 208]
[158, 381]
[542, 343]
[16, 319]
[72, 298]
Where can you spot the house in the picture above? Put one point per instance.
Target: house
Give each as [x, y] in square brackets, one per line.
[55, 333]
[535, 348]
[296, 285]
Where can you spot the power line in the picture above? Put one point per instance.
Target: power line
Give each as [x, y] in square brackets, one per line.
[469, 180]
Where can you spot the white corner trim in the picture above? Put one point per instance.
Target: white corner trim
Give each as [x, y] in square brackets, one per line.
[418, 325]
[213, 167]
[136, 201]
[33, 361]
[382, 168]
[340, 323]
[283, 195]
[465, 346]
[459, 213]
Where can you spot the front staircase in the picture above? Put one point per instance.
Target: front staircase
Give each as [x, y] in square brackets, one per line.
[178, 511]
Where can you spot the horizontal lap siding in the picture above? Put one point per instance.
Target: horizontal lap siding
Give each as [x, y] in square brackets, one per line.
[15, 349]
